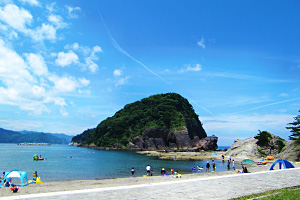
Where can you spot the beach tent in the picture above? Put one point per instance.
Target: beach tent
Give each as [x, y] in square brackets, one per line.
[213, 154]
[11, 176]
[286, 164]
[247, 161]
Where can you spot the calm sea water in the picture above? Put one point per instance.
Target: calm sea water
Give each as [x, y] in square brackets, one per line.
[71, 163]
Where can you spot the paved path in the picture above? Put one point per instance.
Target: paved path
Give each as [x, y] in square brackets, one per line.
[222, 187]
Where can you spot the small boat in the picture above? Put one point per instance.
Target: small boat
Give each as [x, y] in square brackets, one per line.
[261, 163]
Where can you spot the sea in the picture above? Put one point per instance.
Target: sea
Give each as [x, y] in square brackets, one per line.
[65, 162]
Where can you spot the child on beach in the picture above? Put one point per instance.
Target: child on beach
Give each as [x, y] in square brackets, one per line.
[132, 171]
[207, 166]
[148, 169]
[233, 165]
[228, 165]
[214, 165]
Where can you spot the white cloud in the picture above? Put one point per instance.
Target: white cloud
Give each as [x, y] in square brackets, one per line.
[84, 81]
[201, 43]
[30, 86]
[117, 72]
[57, 21]
[37, 64]
[73, 11]
[64, 59]
[92, 66]
[45, 32]
[189, 67]
[50, 7]
[284, 95]
[31, 2]
[15, 17]
[195, 69]
[122, 81]
[63, 112]
[64, 84]
[89, 55]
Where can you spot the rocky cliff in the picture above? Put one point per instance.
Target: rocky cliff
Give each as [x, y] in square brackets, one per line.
[161, 139]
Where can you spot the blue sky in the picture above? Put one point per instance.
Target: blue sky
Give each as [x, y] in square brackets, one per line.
[67, 65]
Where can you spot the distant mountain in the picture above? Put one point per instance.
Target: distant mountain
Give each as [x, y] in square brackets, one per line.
[8, 136]
[66, 139]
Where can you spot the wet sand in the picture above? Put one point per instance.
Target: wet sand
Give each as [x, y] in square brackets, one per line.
[57, 186]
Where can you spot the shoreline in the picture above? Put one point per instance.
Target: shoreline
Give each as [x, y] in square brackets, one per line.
[185, 156]
[70, 185]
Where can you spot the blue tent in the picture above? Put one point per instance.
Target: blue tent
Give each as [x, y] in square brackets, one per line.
[213, 154]
[15, 174]
[286, 164]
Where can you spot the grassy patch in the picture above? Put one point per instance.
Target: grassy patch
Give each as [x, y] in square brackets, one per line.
[286, 193]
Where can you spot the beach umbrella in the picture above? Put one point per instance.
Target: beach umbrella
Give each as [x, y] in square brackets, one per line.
[247, 161]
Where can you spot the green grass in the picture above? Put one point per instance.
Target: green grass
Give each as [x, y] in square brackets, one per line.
[281, 194]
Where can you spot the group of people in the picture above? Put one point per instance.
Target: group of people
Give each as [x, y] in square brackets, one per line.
[150, 171]
[229, 162]
[208, 166]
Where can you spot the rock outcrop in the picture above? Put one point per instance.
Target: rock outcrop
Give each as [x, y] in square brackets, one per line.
[244, 148]
[290, 151]
[161, 139]
[250, 148]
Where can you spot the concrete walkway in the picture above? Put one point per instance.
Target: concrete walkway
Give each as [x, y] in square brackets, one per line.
[221, 187]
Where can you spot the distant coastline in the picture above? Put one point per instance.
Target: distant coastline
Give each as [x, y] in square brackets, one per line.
[41, 144]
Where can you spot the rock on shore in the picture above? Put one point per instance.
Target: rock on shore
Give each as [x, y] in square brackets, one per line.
[159, 139]
[244, 148]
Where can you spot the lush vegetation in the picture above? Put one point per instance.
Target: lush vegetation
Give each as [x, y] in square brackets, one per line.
[262, 153]
[280, 143]
[263, 138]
[168, 111]
[286, 193]
[295, 129]
[8, 136]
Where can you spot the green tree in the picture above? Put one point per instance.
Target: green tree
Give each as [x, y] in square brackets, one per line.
[263, 138]
[295, 129]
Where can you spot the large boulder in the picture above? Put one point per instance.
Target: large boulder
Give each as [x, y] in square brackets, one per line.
[244, 148]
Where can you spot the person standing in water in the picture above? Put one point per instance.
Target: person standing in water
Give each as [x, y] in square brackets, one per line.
[228, 165]
[207, 166]
[233, 164]
[148, 169]
[214, 165]
[132, 171]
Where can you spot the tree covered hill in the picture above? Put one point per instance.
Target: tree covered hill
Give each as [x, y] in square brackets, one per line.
[8, 136]
[159, 116]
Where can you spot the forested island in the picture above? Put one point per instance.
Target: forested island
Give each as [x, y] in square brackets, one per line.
[159, 122]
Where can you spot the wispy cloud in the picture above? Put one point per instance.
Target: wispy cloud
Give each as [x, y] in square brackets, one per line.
[246, 77]
[270, 104]
[201, 43]
[194, 68]
[206, 110]
[120, 49]
[73, 11]
[245, 124]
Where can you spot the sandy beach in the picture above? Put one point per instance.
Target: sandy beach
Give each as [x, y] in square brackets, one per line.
[56, 186]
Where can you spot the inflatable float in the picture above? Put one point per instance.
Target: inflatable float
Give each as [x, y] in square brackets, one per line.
[261, 163]
[36, 157]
